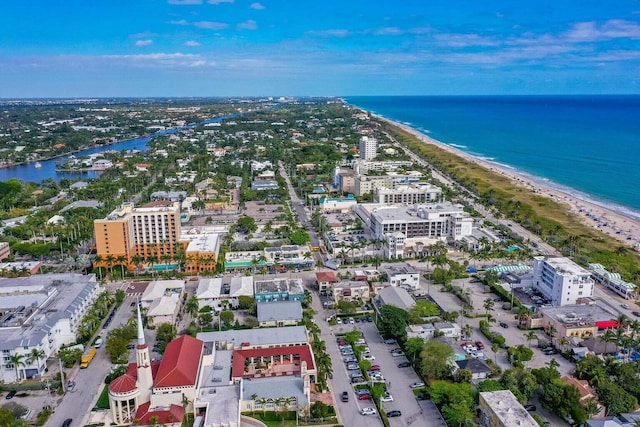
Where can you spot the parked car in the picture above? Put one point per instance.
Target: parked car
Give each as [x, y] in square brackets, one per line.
[404, 365]
[395, 349]
[363, 391]
[386, 398]
[397, 353]
[345, 396]
[368, 356]
[374, 368]
[390, 341]
[636, 313]
[369, 319]
[357, 380]
[368, 411]
[417, 384]
[364, 396]
[350, 359]
[625, 306]
[392, 414]
[503, 325]
[67, 422]
[530, 407]
[339, 321]
[480, 345]
[131, 346]
[352, 366]
[10, 394]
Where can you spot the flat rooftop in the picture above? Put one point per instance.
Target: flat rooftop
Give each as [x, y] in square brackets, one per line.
[48, 298]
[565, 266]
[507, 408]
[257, 337]
[576, 314]
[292, 286]
[202, 242]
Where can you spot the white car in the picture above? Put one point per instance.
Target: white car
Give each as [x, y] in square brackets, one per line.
[368, 411]
[386, 398]
[339, 321]
[368, 356]
[417, 384]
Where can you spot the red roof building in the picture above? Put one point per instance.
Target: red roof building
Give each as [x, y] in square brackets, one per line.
[173, 415]
[180, 363]
[276, 361]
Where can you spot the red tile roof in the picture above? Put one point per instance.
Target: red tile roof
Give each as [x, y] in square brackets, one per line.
[132, 372]
[239, 356]
[158, 204]
[171, 416]
[123, 384]
[180, 363]
[327, 276]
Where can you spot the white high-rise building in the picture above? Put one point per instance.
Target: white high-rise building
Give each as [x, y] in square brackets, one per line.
[368, 148]
[561, 280]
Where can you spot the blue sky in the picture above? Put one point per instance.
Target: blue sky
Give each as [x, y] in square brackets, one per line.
[100, 48]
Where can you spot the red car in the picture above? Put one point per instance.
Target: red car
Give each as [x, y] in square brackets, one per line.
[465, 343]
[479, 345]
[364, 396]
[374, 368]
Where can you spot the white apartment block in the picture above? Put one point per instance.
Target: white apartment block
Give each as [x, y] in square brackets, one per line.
[561, 280]
[368, 148]
[402, 275]
[408, 195]
[40, 312]
[431, 220]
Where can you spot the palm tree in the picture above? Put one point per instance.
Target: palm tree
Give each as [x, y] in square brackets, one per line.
[529, 336]
[488, 306]
[122, 260]
[607, 337]
[17, 360]
[110, 259]
[192, 306]
[35, 356]
[254, 396]
[263, 404]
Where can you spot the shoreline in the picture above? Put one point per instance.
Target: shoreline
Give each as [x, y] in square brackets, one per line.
[618, 222]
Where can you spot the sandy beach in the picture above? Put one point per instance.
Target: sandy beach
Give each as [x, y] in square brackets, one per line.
[615, 223]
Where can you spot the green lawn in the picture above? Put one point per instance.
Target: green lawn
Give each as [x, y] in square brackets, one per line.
[103, 400]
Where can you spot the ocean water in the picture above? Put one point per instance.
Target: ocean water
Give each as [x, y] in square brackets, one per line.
[586, 145]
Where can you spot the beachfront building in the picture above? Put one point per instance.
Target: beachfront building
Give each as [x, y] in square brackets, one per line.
[40, 313]
[407, 194]
[502, 409]
[432, 220]
[150, 232]
[368, 147]
[561, 281]
[613, 281]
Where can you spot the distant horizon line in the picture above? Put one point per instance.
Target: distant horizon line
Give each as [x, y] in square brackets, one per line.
[275, 97]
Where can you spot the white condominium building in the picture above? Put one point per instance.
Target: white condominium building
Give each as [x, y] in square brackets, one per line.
[431, 220]
[561, 280]
[408, 195]
[368, 148]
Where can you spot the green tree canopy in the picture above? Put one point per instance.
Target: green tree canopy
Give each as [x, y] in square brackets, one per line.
[435, 360]
[299, 237]
[394, 321]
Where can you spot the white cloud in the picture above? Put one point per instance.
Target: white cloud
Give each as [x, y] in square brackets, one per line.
[147, 42]
[611, 29]
[257, 6]
[330, 33]
[180, 22]
[185, 2]
[388, 31]
[191, 43]
[220, 1]
[247, 25]
[210, 25]
[465, 40]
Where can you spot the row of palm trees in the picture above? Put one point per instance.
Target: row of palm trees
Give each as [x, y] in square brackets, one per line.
[21, 360]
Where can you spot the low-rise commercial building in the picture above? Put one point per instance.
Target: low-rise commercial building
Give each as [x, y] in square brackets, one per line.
[502, 409]
[278, 289]
[279, 313]
[212, 292]
[351, 291]
[403, 275]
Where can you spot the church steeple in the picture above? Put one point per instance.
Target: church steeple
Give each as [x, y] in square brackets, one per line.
[145, 377]
[140, 328]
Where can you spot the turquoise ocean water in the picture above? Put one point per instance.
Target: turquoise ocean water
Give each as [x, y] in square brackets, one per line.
[588, 146]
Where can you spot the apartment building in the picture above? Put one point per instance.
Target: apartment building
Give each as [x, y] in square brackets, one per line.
[365, 184]
[368, 148]
[561, 280]
[150, 232]
[407, 195]
[431, 220]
